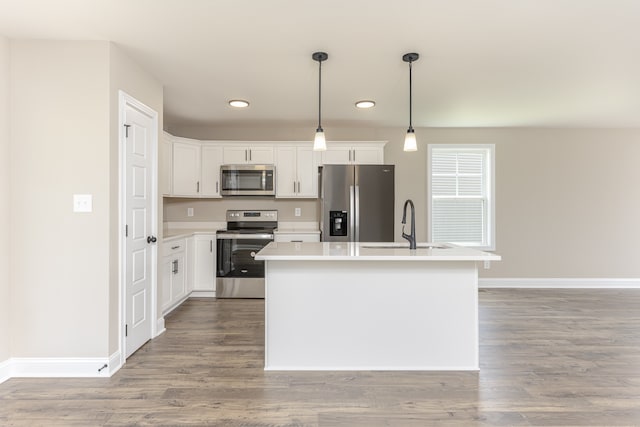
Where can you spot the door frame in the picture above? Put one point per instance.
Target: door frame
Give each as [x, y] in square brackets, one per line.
[125, 100]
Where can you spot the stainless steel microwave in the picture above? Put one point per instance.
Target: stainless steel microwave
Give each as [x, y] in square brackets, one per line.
[248, 180]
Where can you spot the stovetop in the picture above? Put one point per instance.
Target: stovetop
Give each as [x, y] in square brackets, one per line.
[251, 222]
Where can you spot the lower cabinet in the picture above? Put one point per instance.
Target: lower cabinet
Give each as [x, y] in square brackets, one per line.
[202, 264]
[174, 277]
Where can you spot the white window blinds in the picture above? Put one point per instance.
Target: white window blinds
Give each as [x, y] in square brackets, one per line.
[460, 194]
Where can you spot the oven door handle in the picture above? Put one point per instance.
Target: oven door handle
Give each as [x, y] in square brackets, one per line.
[238, 236]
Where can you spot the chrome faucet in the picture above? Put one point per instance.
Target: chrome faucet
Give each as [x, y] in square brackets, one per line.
[412, 237]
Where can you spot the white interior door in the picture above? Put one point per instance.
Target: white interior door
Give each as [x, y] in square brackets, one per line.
[139, 240]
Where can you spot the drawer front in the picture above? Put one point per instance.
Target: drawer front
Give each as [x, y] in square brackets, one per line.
[174, 247]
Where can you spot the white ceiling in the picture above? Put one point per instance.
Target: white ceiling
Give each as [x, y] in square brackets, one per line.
[482, 63]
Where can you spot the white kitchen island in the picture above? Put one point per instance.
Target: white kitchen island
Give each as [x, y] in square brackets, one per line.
[371, 306]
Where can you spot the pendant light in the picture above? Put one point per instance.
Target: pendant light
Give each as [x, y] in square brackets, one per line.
[410, 138]
[319, 142]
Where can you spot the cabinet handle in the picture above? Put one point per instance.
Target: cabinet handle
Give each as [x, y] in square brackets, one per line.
[249, 155]
[298, 186]
[245, 155]
[198, 187]
[354, 155]
[175, 266]
[175, 247]
[294, 186]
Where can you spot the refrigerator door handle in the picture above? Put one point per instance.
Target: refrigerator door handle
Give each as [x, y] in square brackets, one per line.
[357, 213]
[352, 210]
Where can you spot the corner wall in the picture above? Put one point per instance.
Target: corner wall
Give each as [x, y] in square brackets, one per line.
[59, 147]
[5, 264]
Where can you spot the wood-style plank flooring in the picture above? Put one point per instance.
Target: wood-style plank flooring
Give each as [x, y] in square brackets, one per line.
[548, 357]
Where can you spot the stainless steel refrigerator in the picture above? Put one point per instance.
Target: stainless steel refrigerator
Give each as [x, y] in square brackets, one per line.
[356, 203]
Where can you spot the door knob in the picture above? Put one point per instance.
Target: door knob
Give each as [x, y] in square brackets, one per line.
[151, 239]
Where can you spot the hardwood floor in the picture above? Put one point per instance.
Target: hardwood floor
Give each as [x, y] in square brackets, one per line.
[548, 357]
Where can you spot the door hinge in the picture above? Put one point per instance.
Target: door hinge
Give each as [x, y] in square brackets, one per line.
[126, 231]
[126, 330]
[126, 131]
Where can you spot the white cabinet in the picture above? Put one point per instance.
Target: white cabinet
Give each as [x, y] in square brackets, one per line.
[166, 164]
[202, 261]
[196, 168]
[210, 166]
[252, 154]
[350, 153]
[186, 168]
[296, 171]
[174, 276]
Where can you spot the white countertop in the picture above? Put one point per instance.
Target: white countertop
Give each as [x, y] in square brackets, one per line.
[363, 251]
[170, 235]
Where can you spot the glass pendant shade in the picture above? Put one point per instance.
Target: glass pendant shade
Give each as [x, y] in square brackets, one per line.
[410, 141]
[319, 142]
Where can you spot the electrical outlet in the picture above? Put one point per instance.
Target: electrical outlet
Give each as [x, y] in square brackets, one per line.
[297, 212]
[189, 211]
[83, 203]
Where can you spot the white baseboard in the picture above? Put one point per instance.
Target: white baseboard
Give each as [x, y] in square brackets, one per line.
[71, 367]
[160, 329]
[202, 294]
[550, 283]
[115, 363]
[5, 370]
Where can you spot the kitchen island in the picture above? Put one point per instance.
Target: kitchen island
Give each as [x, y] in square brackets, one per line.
[371, 306]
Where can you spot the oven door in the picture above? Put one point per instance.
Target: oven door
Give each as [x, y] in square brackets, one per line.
[238, 274]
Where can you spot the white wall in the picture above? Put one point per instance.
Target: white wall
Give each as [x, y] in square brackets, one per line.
[5, 265]
[567, 200]
[60, 147]
[127, 76]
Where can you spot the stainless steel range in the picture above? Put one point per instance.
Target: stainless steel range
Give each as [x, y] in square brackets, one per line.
[238, 274]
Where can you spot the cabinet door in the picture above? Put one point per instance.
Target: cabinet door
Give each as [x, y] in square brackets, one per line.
[307, 171]
[204, 263]
[166, 164]
[211, 162]
[167, 276]
[368, 155]
[336, 156]
[178, 283]
[235, 155]
[260, 155]
[286, 179]
[186, 169]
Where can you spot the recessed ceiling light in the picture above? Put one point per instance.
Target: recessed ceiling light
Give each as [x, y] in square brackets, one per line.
[365, 104]
[239, 103]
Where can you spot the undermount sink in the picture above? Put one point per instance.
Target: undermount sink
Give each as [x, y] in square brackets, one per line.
[404, 246]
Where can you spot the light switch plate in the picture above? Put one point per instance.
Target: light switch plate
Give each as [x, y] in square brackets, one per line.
[297, 211]
[189, 211]
[83, 203]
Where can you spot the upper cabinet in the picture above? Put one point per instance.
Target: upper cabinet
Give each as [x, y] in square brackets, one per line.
[196, 168]
[166, 165]
[296, 171]
[191, 168]
[186, 167]
[210, 164]
[361, 153]
[251, 154]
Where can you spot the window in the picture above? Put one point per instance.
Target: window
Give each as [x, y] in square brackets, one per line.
[461, 195]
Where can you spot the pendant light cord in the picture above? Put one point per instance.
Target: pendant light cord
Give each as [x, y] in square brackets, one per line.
[319, 94]
[410, 96]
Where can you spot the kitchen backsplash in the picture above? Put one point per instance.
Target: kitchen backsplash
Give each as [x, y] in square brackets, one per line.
[177, 209]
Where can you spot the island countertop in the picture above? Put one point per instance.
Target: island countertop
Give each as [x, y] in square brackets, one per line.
[370, 251]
